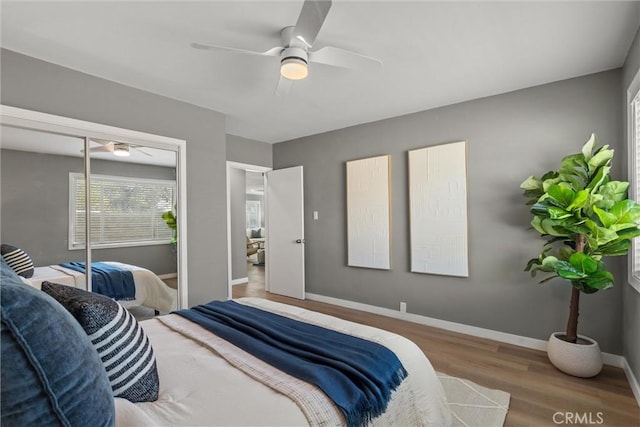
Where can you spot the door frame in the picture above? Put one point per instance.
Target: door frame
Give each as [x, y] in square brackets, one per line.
[245, 167]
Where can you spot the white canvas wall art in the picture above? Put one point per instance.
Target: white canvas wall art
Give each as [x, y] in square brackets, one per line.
[369, 212]
[438, 209]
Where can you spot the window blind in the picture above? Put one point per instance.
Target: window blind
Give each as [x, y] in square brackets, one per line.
[124, 211]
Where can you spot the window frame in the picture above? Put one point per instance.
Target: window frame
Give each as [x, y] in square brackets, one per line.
[74, 176]
[633, 141]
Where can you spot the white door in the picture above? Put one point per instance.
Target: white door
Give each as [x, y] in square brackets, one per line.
[285, 232]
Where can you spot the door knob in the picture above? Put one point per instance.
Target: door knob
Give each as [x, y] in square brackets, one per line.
[300, 241]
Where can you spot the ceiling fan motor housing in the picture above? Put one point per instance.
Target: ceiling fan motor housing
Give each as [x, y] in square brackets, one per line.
[294, 53]
[293, 63]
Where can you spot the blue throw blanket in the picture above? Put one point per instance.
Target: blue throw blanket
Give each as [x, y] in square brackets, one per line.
[108, 280]
[358, 375]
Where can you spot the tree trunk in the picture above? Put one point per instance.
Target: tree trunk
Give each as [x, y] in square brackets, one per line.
[571, 334]
[572, 324]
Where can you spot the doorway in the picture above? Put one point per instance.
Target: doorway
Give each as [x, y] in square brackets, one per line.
[246, 232]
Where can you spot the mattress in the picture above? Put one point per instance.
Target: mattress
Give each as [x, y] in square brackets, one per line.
[198, 387]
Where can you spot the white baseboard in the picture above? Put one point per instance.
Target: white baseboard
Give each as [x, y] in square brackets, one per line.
[533, 343]
[240, 281]
[633, 382]
[168, 276]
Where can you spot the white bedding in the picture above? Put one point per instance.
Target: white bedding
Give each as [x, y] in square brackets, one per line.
[198, 388]
[151, 291]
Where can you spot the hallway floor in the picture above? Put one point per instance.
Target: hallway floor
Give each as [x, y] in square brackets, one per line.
[255, 286]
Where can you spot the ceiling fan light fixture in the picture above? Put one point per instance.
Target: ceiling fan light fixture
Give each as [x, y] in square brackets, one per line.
[294, 68]
[121, 150]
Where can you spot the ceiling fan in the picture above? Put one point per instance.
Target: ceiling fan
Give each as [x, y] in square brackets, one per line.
[117, 148]
[297, 41]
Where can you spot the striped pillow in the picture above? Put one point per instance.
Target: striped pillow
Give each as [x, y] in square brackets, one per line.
[121, 343]
[18, 260]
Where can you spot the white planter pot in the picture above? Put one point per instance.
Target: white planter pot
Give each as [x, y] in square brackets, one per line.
[583, 359]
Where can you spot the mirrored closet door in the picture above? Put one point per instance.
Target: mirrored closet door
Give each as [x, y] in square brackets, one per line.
[34, 174]
[135, 202]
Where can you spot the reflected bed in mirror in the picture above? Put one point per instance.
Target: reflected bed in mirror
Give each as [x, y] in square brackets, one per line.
[141, 287]
[44, 212]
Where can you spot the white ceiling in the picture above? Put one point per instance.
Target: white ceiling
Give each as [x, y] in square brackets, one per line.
[434, 53]
[14, 138]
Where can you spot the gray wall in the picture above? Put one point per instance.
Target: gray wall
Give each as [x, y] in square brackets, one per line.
[630, 297]
[37, 85]
[238, 221]
[510, 137]
[35, 209]
[249, 151]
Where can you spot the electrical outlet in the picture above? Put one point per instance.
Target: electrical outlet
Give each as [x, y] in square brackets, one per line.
[403, 307]
[315, 215]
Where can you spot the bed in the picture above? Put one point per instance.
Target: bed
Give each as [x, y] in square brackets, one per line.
[190, 376]
[150, 290]
[200, 386]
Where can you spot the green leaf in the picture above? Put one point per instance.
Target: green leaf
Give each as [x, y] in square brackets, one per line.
[580, 201]
[576, 179]
[565, 252]
[553, 227]
[567, 271]
[563, 195]
[627, 211]
[531, 183]
[602, 158]
[599, 234]
[532, 262]
[170, 219]
[558, 213]
[615, 248]
[587, 148]
[629, 233]
[598, 178]
[606, 218]
[599, 281]
[540, 209]
[549, 182]
[574, 164]
[583, 262]
[615, 190]
[536, 223]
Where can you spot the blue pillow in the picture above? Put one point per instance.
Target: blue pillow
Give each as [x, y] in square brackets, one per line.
[50, 374]
[120, 342]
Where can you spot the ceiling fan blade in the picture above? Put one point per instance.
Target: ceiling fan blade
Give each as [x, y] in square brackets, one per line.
[104, 148]
[284, 86]
[343, 58]
[310, 21]
[275, 51]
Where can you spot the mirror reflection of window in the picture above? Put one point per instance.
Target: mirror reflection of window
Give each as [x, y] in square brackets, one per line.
[132, 187]
[254, 200]
[254, 215]
[126, 211]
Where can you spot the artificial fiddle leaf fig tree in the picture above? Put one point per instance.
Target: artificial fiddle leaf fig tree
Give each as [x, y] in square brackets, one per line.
[584, 216]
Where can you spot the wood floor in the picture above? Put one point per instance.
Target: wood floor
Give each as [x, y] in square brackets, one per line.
[540, 394]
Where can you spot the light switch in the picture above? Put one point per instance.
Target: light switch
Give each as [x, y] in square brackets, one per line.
[315, 215]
